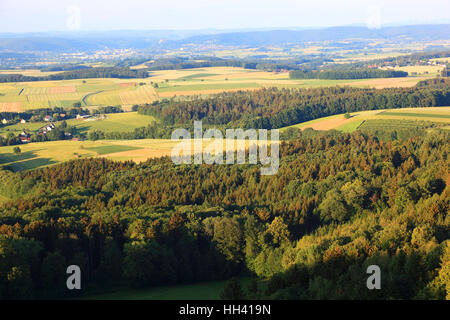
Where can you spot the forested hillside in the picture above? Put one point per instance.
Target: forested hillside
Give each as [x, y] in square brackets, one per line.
[339, 203]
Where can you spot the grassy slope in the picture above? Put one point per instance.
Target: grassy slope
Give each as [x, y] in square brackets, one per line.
[126, 121]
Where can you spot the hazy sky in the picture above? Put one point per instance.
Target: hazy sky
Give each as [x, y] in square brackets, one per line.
[63, 15]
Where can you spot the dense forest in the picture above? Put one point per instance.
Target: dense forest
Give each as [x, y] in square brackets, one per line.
[81, 73]
[339, 203]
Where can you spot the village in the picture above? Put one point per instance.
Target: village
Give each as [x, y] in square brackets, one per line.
[25, 135]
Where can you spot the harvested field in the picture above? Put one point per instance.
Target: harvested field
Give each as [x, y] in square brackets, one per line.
[386, 82]
[141, 95]
[10, 106]
[127, 84]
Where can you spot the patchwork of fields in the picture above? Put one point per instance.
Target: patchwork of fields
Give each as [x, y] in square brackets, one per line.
[165, 84]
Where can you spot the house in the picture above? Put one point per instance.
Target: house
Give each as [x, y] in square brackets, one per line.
[25, 137]
[48, 118]
[23, 121]
[4, 121]
[47, 128]
[82, 116]
[62, 115]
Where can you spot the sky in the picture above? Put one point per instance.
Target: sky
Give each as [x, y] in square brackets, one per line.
[89, 15]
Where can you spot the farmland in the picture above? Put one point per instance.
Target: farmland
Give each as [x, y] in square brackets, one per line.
[21, 96]
[438, 115]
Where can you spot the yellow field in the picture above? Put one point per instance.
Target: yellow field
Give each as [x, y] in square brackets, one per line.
[441, 60]
[386, 82]
[42, 154]
[143, 94]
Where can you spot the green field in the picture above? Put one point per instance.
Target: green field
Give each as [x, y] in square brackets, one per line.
[111, 149]
[121, 122]
[412, 114]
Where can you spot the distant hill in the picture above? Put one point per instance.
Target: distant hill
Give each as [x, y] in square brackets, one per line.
[276, 37]
[83, 41]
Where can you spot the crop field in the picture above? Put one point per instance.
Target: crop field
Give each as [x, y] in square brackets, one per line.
[437, 115]
[391, 124]
[10, 106]
[144, 94]
[381, 83]
[42, 154]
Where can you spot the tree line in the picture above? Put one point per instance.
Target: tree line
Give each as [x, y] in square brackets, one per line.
[84, 73]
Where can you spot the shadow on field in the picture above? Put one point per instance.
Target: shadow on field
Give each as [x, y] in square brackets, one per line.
[11, 157]
[24, 161]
